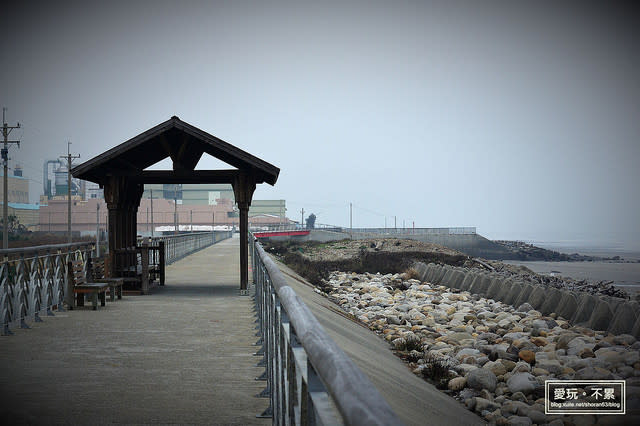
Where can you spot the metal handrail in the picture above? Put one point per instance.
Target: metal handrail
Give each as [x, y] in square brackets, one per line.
[308, 375]
[33, 280]
[179, 246]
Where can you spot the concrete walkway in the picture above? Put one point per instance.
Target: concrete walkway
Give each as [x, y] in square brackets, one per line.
[181, 355]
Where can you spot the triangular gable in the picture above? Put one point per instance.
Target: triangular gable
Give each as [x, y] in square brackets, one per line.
[180, 141]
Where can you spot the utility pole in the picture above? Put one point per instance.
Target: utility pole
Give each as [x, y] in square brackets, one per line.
[5, 160]
[213, 221]
[395, 225]
[351, 217]
[151, 195]
[302, 220]
[191, 226]
[69, 158]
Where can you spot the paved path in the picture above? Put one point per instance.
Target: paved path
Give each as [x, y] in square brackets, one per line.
[181, 355]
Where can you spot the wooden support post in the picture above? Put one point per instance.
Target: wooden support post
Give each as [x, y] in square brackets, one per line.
[243, 187]
[244, 248]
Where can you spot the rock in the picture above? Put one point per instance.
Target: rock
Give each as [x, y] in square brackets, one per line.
[495, 367]
[593, 373]
[521, 367]
[482, 378]
[519, 396]
[624, 339]
[522, 382]
[537, 417]
[539, 341]
[457, 383]
[512, 407]
[508, 364]
[539, 372]
[539, 323]
[505, 323]
[458, 337]
[484, 404]
[527, 355]
[586, 353]
[551, 365]
[392, 319]
[466, 352]
[519, 421]
[525, 307]
[564, 339]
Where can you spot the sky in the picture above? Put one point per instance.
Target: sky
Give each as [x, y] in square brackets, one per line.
[519, 118]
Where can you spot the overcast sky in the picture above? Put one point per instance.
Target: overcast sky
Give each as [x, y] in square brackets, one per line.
[519, 118]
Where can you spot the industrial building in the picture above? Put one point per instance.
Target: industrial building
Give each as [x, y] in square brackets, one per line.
[18, 199]
[211, 195]
[194, 206]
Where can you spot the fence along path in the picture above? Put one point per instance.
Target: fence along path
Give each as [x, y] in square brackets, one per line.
[180, 355]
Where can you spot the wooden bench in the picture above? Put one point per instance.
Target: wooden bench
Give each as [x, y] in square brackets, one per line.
[79, 285]
[98, 274]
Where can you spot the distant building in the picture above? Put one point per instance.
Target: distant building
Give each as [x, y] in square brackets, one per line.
[211, 195]
[18, 199]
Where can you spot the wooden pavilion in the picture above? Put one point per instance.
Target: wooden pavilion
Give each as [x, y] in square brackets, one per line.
[121, 172]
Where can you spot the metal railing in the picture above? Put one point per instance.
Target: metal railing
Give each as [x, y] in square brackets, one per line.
[177, 247]
[465, 230]
[33, 281]
[310, 380]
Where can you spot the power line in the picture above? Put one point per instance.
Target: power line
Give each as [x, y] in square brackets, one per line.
[69, 159]
[6, 129]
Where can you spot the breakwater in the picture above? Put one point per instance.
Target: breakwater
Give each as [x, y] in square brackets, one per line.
[598, 312]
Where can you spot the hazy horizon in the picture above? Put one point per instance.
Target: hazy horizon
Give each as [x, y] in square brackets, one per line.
[518, 118]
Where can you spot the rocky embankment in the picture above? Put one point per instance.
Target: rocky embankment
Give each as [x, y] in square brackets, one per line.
[315, 261]
[491, 356]
[527, 252]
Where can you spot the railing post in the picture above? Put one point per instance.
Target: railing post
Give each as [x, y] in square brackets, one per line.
[161, 261]
[144, 258]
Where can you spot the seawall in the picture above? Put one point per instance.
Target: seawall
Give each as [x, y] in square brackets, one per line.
[471, 244]
[603, 313]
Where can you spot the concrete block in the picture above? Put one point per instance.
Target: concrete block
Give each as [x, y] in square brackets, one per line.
[494, 287]
[438, 278]
[474, 287]
[514, 292]
[458, 277]
[568, 305]
[624, 318]
[537, 297]
[552, 298]
[635, 331]
[504, 290]
[485, 283]
[434, 272]
[446, 279]
[601, 317]
[466, 283]
[421, 269]
[433, 269]
[586, 304]
[524, 295]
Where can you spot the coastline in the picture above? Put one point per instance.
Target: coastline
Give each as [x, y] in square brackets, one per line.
[625, 276]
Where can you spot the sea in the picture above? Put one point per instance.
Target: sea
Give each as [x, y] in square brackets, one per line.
[625, 273]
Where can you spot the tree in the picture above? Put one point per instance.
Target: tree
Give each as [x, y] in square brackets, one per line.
[311, 221]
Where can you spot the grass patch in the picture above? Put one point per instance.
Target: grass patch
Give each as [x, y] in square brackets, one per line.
[436, 370]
